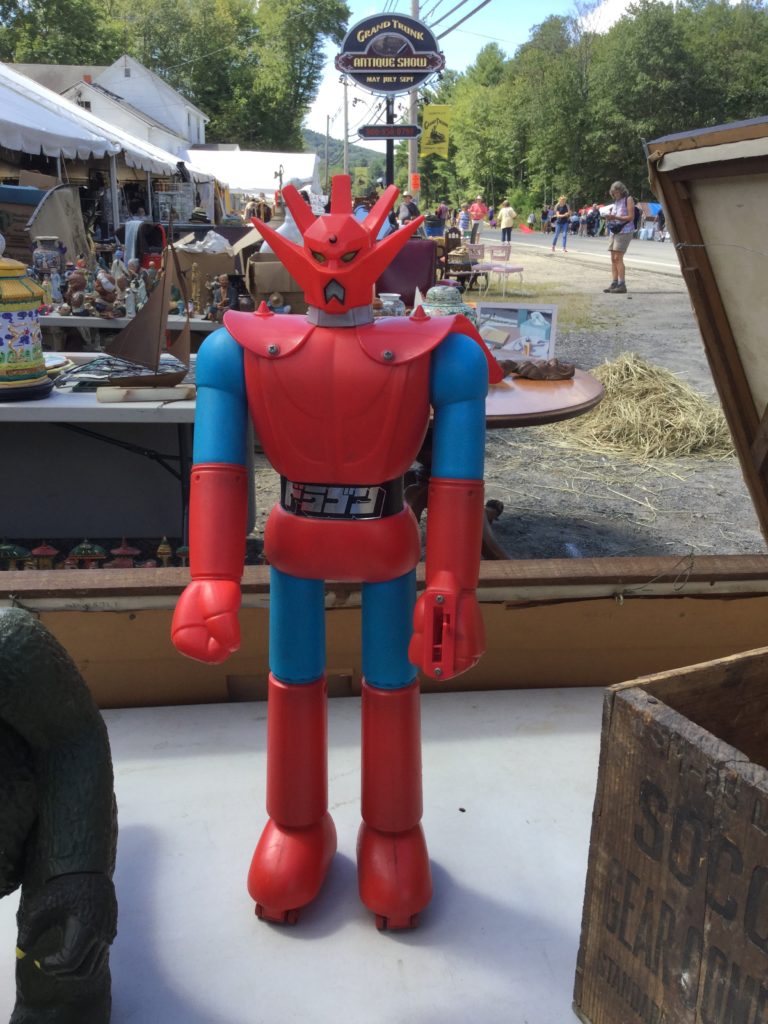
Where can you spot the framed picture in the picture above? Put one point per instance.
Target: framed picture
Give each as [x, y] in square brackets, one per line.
[516, 331]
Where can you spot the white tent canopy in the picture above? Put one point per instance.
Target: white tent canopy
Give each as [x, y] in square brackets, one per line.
[32, 123]
[34, 119]
[253, 171]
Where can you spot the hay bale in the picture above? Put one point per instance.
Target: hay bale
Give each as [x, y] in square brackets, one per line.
[647, 413]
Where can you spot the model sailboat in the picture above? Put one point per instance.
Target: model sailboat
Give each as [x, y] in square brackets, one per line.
[149, 360]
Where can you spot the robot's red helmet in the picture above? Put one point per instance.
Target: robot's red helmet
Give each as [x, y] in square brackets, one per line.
[340, 259]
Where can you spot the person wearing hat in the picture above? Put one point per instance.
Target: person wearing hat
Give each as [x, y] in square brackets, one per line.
[263, 210]
[408, 210]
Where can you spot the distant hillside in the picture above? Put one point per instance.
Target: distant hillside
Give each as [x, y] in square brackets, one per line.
[359, 156]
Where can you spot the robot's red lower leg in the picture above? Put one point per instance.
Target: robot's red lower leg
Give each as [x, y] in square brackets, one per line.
[393, 864]
[299, 840]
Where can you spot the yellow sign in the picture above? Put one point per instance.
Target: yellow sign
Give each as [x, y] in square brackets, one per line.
[435, 130]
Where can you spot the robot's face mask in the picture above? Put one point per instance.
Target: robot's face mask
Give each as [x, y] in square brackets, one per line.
[340, 260]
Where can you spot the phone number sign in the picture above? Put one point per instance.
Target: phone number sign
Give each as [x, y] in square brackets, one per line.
[389, 53]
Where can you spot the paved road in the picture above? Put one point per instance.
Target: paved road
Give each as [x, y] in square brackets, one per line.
[659, 257]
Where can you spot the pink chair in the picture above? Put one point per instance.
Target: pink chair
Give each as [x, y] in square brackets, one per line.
[497, 261]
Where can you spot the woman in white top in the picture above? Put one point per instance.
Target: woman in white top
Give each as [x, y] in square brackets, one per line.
[621, 227]
[507, 216]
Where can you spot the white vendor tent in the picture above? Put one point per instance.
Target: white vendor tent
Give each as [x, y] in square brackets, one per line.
[33, 123]
[252, 171]
[34, 119]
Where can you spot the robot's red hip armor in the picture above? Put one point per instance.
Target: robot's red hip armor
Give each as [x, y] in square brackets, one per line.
[368, 551]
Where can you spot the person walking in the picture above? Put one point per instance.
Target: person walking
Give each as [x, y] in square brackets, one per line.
[621, 227]
[464, 221]
[562, 218]
[507, 215]
[478, 211]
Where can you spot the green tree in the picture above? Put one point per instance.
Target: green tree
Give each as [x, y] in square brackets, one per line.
[288, 62]
[58, 32]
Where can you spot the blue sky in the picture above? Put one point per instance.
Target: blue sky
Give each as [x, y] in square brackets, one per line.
[506, 22]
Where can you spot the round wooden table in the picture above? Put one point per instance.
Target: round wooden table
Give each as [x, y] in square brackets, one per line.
[515, 402]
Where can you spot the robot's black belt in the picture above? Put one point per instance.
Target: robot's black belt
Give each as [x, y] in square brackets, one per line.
[342, 501]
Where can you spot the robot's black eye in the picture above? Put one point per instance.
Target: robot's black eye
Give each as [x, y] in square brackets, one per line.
[318, 256]
[349, 256]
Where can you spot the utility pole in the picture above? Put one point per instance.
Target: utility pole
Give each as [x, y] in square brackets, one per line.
[327, 138]
[346, 130]
[413, 114]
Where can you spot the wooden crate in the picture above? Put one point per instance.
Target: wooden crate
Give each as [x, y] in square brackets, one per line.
[675, 924]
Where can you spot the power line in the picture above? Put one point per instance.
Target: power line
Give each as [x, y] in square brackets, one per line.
[462, 20]
[432, 9]
[448, 13]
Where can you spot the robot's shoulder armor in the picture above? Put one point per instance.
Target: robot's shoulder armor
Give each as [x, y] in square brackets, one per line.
[400, 340]
[268, 334]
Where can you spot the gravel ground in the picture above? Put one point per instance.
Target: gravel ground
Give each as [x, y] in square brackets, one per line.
[559, 503]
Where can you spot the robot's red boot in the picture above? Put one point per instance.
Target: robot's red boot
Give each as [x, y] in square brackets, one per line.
[298, 842]
[392, 860]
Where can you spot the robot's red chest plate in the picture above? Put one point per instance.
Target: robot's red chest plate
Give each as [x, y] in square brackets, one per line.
[329, 413]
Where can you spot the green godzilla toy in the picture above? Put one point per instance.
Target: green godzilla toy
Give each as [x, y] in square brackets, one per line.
[58, 828]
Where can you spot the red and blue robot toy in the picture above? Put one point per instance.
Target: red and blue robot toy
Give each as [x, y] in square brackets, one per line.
[341, 405]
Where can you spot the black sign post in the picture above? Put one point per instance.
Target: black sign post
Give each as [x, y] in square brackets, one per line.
[389, 168]
[390, 54]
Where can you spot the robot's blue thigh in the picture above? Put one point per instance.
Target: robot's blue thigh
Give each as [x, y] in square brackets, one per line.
[387, 628]
[296, 628]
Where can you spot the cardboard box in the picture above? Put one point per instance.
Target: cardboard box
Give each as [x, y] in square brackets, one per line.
[266, 274]
[675, 925]
[209, 266]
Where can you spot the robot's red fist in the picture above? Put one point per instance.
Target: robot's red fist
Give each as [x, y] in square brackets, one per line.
[205, 623]
[448, 634]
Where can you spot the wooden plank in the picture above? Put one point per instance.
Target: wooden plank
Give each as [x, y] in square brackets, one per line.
[759, 446]
[727, 697]
[494, 575]
[719, 135]
[720, 169]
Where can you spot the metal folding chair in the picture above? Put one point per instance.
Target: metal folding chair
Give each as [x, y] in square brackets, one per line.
[498, 262]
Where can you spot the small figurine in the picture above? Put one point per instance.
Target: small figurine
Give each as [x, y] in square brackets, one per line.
[105, 294]
[195, 289]
[164, 552]
[276, 303]
[223, 300]
[56, 295]
[58, 828]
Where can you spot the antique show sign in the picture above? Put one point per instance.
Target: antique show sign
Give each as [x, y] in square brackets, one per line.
[389, 53]
[389, 131]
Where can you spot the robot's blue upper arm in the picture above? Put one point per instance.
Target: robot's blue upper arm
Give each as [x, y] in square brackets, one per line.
[458, 386]
[221, 415]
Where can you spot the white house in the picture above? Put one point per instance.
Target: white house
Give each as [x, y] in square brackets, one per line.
[129, 96]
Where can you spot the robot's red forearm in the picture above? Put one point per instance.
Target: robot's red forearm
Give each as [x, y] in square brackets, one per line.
[455, 530]
[218, 514]
[448, 629]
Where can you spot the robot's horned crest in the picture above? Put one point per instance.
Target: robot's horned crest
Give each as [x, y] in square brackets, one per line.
[340, 260]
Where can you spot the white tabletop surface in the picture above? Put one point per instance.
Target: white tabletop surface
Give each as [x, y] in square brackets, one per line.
[509, 781]
[175, 323]
[83, 407]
